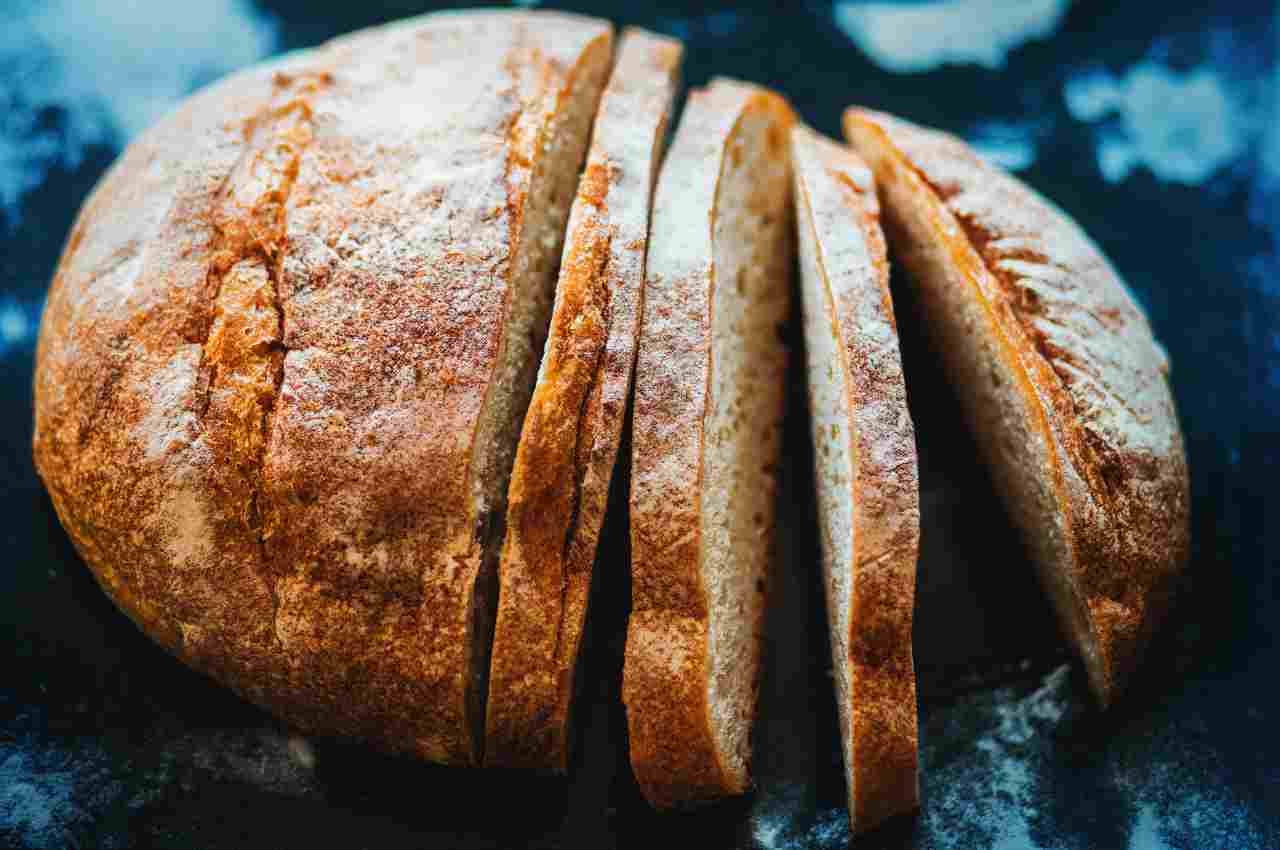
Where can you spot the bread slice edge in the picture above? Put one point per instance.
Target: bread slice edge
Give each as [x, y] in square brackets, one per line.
[569, 440]
[681, 753]
[866, 474]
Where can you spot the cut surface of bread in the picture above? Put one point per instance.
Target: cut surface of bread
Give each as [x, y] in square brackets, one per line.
[865, 465]
[1064, 385]
[707, 431]
[280, 435]
[569, 443]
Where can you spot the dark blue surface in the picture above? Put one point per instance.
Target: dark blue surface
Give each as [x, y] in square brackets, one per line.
[1157, 131]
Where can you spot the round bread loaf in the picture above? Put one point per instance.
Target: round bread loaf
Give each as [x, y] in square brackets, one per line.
[286, 354]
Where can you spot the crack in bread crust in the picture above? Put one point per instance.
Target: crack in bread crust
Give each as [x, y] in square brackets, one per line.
[243, 348]
[594, 322]
[243, 351]
[1092, 455]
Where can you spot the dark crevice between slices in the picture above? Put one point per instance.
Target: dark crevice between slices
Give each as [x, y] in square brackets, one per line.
[242, 349]
[589, 358]
[543, 188]
[601, 297]
[490, 531]
[615, 523]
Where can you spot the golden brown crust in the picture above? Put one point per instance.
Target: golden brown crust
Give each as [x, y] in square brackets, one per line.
[122, 384]
[665, 679]
[569, 443]
[1094, 380]
[285, 502]
[836, 201]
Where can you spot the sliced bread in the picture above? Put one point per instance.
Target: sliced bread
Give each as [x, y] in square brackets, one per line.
[1064, 385]
[865, 467]
[569, 442]
[707, 432]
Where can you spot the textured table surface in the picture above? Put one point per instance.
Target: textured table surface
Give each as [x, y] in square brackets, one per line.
[1159, 132]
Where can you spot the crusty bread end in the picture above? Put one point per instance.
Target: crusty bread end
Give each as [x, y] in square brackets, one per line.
[1064, 385]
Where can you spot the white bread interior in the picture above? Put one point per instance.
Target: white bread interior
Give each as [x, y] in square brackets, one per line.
[743, 424]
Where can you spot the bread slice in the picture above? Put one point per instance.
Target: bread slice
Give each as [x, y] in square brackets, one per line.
[281, 436]
[865, 464]
[707, 431]
[1064, 384]
[569, 442]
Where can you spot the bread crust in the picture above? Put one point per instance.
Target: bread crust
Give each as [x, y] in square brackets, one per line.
[667, 667]
[569, 443]
[836, 203]
[265, 353]
[1092, 384]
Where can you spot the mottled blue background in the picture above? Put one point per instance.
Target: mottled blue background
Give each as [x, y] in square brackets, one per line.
[1158, 130]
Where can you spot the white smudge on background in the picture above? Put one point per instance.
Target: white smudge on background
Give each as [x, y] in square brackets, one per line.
[1271, 146]
[1209, 809]
[909, 38]
[1011, 776]
[781, 826]
[302, 753]
[768, 831]
[14, 325]
[35, 803]
[19, 321]
[783, 820]
[992, 767]
[1007, 731]
[1008, 144]
[773, 821]
[83, 74]
[1181, 126]
[1091, 95]
[1266, 200]
[1145, 834]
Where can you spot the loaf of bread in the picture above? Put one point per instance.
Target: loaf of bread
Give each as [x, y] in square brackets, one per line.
[284, 369]
[707, 432]
[865, 469]
[569, 443]
[1065, 387]
[287, 353]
